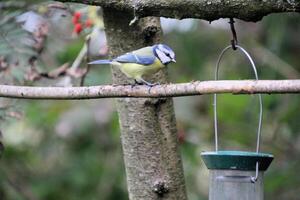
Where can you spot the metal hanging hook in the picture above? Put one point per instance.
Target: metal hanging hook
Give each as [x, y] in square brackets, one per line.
[253, 179]
[234, 40]
[259, 96]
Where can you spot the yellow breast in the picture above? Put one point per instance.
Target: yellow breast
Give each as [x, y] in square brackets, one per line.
[136, 71]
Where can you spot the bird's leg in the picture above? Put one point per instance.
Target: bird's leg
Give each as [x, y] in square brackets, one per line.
[135, 84]
[149, 84]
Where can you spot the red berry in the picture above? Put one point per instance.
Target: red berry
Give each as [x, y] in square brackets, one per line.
[88, 23]
[74, 20]
[77, 28]
[76, 17]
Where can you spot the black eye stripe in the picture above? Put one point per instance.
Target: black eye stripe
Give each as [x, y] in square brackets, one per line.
[169, 55]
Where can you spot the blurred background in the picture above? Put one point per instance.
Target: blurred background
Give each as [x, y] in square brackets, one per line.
[71, 149]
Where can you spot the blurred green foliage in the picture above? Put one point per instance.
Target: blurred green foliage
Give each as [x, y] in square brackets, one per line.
[72, 150]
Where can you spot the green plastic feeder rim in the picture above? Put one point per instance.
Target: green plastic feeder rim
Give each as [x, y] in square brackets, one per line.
[236, 160]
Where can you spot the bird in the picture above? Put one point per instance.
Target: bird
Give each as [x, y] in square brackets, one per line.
[145, 61]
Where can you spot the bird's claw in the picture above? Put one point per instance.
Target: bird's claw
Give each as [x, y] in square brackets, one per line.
[135, 84]
[152, 85]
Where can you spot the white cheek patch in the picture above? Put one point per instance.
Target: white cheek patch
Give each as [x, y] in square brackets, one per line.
[161, 47]
[162, 56]
[166, 51]
[172, 54]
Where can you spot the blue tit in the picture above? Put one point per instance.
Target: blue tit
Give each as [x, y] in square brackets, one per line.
[144, 61]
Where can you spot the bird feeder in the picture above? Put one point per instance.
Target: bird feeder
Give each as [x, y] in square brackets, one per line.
[236, 175]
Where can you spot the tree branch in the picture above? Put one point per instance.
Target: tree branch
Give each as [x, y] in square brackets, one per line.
[248, 10]
[166, 90]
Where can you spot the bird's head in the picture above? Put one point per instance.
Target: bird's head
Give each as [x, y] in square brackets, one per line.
[164, 53]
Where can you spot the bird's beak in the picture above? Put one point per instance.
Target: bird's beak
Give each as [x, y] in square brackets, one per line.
[173, 60]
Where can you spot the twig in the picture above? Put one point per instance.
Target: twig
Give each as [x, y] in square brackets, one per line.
[79, 58]
[63, 70]
[167, 90]
[87, 44]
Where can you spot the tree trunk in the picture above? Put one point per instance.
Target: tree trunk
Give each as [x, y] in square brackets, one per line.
[148, 127]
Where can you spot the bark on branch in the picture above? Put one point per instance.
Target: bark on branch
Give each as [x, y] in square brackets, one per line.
[165, 90]
[248, 10]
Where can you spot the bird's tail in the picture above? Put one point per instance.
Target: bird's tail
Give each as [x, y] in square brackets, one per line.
[100, 62]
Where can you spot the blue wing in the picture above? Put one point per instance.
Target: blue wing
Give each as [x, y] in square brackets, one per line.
[133, 58]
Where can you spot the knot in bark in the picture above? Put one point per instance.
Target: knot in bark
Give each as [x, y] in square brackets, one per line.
[160, 187]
